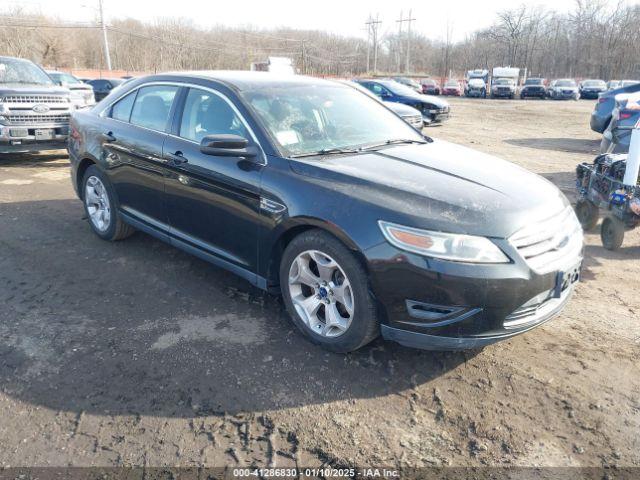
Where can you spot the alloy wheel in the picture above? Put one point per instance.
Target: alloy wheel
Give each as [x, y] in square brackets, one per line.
[321, 293]
[97, 203]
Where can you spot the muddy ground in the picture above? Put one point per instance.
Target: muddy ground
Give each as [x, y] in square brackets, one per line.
[135, 353]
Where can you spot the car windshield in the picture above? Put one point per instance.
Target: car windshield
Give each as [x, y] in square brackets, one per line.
[627, 83]
[593, 83]
[533, 81]
[430, 83]
[64, 78]
[13, 70]
[451, 83]
[503, 81]
[565, 83]
[398, 88]
[312, 119]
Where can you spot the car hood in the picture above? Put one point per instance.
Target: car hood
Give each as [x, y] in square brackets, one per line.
[430, 99]
[575, 89]
[440, 186]
[27, 89]
[402, 109]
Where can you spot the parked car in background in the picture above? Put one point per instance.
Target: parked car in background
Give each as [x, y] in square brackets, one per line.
[624, 118]
[564, 89]
[81, 94]
[34, 111]
[433, 109]
[592, 88]
[409, 114]
[431, 87]
[452, 87]
[103, 86]
[409, 82]
[601, 115]
[613, 84]
[361, 223]
[534, 87]
[476, 88]
[503, 87]
[628, 83]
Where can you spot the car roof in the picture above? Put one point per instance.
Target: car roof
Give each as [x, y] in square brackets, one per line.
[249, 80]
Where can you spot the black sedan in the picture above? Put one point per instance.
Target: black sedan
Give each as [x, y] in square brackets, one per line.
[592, 88]
[311, 189]
[103, 86]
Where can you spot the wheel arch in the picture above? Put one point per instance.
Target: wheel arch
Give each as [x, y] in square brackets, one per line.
[83, 165]
[297, 226]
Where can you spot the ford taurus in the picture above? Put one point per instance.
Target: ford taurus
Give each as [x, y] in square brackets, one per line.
[311, 189]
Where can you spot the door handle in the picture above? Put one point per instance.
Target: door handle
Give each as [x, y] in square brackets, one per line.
[107, 137]
[176, 158]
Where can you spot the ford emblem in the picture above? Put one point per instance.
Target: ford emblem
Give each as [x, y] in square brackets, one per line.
[40, 108]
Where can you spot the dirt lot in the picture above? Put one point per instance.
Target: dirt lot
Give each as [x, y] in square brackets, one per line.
[135, 353]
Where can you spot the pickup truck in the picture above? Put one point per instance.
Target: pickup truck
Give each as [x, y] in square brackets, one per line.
[34, 111]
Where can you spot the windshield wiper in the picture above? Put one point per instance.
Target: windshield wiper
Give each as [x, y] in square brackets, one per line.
[397, 141]
[327, 151]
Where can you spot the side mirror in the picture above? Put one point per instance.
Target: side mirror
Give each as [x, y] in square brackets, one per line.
[227, 145]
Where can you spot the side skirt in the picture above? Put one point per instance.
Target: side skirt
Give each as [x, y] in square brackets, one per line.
[252, 278]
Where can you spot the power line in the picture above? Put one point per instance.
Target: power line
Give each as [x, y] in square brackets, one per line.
[373, 26]
[408, 49]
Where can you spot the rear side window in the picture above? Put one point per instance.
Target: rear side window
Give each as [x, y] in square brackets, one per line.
[152, 106]
[121, 110]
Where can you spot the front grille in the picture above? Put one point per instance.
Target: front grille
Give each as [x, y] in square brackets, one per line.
[546, 245]
[414, 120]
[36, 99]
[36, 119]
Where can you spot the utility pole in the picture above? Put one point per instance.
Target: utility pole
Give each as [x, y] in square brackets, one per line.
[105, 41]
[409, 20]
[368, 24]
[399, 42]
[373, 24]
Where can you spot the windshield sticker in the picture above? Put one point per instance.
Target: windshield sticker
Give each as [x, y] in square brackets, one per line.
[287, 137]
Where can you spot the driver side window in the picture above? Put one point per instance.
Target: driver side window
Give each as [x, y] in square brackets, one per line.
[206, 113]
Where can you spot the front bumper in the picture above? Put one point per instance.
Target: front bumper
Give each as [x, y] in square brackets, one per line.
[439, 305]
[591, 94]
[476, 93]
[23, 138]
[436, 115]
[503, 93]
[538, 93]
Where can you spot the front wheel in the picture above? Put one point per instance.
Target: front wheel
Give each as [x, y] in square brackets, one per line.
[326, 292]
[100, 206]
[612, 233]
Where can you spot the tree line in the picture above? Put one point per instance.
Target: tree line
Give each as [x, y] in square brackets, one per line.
[596, 39]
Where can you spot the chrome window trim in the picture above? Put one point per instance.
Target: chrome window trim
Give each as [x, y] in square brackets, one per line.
[103, 112]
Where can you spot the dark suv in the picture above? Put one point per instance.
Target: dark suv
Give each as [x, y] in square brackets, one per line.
[534, 87]
[312, 189]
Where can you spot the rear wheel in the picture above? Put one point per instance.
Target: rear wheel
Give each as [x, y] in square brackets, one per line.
[100, 206]
[326, 293]
[612, 233]
[587, 214]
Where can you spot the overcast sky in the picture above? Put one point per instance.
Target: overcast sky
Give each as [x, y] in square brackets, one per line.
[345, 17]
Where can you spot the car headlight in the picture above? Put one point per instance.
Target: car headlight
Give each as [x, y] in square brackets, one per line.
[445, 246]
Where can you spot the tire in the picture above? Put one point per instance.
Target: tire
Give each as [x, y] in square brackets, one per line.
[587, 214]
[307, 299]
[612, 233]
[103, 199]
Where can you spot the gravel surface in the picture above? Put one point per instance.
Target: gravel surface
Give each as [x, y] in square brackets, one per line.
[134, 353]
